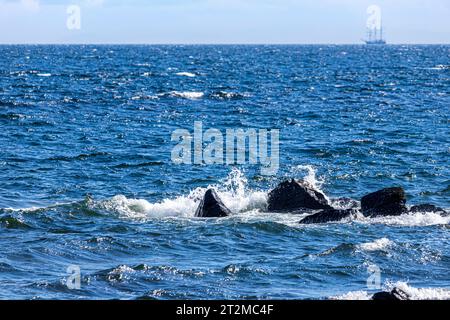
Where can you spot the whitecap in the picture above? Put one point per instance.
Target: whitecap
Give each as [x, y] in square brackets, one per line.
[420, 293]
[412, 292]
[440, 67]
[410, 219]
[186, 74]
[143, 209]
[376, 245]
[37, 208]
[230, 95]
[44, 74]
[187, 94]
[232, 190]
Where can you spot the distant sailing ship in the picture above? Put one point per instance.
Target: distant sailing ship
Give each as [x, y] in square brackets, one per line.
[374, 26]
[375, 36]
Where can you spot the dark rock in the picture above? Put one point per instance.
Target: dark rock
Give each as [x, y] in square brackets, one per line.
[426, 208]
[211, 206]
[395, 295]
[329, 215]
[293, 195]
[386, 202]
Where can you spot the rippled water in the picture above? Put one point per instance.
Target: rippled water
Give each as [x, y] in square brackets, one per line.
[86, 177]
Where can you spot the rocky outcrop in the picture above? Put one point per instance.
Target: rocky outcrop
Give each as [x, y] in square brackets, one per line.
[211, 206]
[427, 208]
[386, 202]
[329, 215]
[395, 295]
[292, 195]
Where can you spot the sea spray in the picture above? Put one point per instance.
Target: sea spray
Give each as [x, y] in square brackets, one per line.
[233, 191]
[311, 176]
[412, 292]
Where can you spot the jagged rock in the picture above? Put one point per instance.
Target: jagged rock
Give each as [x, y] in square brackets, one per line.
[395, 295]
[385, 202]
[211, 206]
[329, 215]
[427, 208]
[293, 195]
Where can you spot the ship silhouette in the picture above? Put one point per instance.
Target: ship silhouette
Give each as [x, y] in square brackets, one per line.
[375, 36]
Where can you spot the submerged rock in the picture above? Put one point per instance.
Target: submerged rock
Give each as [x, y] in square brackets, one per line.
[211, 206]
[329, 215]
[395, 295]
[427, 208]
[293, 195]
[385, 202]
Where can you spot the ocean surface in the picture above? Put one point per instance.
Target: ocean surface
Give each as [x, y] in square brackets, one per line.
[87, 180]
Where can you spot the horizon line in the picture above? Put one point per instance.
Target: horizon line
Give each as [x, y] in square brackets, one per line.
[219, 43]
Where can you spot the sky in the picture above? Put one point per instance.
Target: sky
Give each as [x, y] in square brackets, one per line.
[220, 21]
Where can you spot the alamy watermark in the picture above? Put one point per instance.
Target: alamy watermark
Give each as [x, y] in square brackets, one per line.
[73, 281]
[374, 279]
[74, 17]
[374, 18]
[233, 146]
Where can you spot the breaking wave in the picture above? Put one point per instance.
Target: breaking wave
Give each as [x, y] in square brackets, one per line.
[421, 219]
[248, 205]
[233, 191]
[186, 74]
[413, 293]
[379, 244]
[187, 94]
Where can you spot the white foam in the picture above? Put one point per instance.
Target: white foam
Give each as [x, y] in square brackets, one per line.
[411, 219]
[230, 95]
[440, 67]
[379, 244]
[142, 209]
[44, 74]
[187, 94]
[37, 208]
[311, 178]
[421, 293]
[247, 205]
[413, 293]
[185, 74]
[233, 191]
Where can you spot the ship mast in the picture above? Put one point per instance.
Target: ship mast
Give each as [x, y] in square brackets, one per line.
[381, 30]
[375, 31]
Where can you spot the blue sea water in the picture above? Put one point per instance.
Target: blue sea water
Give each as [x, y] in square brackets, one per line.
[86, 177]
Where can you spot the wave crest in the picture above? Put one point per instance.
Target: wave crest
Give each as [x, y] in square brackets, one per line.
[248, 206]
[376, 245]
[233, 191]
[412, 292]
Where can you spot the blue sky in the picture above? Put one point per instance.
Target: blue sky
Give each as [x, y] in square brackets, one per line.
[221, 21]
